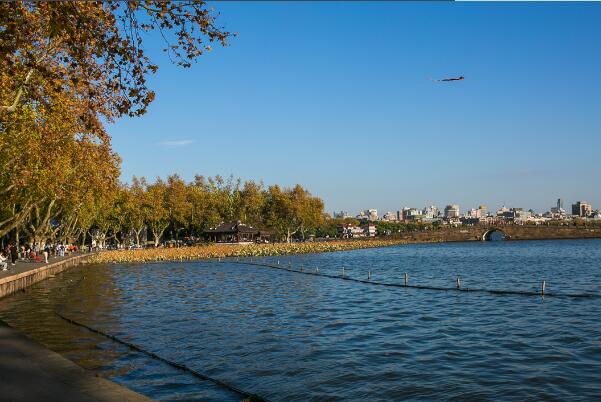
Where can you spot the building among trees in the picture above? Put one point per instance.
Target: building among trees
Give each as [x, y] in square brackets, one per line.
[235, 232]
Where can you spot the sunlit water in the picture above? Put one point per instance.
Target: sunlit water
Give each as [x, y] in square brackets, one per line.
[292, 337]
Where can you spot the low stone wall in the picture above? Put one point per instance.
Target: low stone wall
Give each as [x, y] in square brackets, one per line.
[14, 283]
[512, 232]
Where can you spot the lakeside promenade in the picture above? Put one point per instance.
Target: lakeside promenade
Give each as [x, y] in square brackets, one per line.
[24, 274]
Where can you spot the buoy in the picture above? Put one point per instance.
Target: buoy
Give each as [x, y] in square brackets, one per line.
[368, 275]
[458, 283]
[406, 278]
[542, 287]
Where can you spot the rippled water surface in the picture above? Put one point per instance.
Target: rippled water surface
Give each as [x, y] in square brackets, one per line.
[292, 337]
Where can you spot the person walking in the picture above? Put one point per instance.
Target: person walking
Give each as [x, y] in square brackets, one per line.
[3, 264]
[14, 254]
[46, 253]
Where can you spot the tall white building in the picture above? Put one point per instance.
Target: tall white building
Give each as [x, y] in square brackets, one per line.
[431, 212]
[452, 211]
[369, 214]
[390, 216]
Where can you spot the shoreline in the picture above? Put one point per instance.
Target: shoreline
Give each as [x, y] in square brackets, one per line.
[216, 250]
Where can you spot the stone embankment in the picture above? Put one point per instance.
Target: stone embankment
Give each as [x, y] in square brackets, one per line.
[511, 232]
[25, 274]
[30, 372]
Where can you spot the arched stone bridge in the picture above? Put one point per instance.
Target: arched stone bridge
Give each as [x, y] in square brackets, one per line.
[511, 232]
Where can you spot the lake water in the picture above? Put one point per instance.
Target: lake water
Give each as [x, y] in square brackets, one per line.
[292, 337]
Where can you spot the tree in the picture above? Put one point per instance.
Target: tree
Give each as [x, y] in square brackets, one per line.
[158, 218]
[52, 164]
[252, 202]
[95, 50]
[65, 67]
[136, 207]
[289, 211]
[310, 211]
[178, 203]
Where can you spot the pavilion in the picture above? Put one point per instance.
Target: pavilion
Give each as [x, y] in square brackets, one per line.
[235, 232]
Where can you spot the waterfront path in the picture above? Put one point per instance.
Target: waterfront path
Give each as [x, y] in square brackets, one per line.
[24, 266]
[30, 372]
[25, 274]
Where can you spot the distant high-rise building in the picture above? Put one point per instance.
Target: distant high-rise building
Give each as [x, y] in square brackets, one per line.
[558, 212]
[431, 212]
[474, 213]
[582, 209]
[369, 214]
[451, 211]
[390, 216]
[501, 211]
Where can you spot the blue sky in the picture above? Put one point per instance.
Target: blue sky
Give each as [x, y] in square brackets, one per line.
[339, 97]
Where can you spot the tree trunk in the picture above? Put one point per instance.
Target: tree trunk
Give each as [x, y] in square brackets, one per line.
[157, 236]
[138, 233]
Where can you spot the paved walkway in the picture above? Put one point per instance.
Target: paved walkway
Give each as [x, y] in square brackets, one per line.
[24, 266]
[30, 372]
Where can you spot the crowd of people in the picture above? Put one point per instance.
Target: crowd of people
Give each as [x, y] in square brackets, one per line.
[12, 253]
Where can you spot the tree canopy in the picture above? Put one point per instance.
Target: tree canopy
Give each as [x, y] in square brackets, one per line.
[95, 51]
[66, 67]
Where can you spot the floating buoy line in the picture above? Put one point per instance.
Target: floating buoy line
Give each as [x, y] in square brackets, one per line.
[248, 396]
[457, 288]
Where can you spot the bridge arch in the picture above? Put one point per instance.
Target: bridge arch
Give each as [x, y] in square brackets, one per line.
[494, 234]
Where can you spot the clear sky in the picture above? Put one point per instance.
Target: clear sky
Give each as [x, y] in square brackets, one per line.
[339, 97]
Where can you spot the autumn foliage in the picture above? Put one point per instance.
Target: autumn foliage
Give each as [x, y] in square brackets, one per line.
[66, 67]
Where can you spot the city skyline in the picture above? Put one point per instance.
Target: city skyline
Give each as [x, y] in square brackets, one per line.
[580, 208]
[355, 116]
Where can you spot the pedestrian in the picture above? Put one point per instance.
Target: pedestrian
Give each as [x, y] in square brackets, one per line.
[46, 253]
[3, 264]
[14, 254]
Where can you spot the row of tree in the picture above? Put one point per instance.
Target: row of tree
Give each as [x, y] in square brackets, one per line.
[188, 209]
[66, 68]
